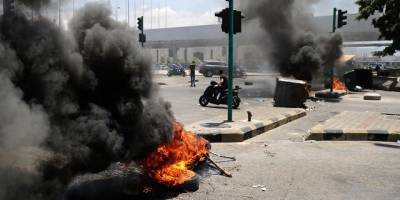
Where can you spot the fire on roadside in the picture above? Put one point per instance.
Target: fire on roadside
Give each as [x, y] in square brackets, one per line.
[171, 164]
[337, 85]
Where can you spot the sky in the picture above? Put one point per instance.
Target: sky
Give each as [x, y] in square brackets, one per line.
[177, 13]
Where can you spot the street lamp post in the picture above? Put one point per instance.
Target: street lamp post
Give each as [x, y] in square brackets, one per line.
[128, 13]
[116, 13]
[59, 13]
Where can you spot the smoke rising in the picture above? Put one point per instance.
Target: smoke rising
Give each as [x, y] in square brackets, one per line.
[288, 39]
[73, 102]
[34, 4]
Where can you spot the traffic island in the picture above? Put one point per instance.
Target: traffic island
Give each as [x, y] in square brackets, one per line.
[218, 130]
[358, 126]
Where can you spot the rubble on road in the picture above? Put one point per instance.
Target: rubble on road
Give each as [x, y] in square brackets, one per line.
[372, 96]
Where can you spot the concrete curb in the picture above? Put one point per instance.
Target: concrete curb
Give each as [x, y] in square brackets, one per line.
[242, 130]
[320, 133]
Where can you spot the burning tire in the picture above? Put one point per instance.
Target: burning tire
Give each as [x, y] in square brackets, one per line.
[203, 101]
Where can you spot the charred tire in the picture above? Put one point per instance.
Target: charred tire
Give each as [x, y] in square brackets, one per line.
[184, 74]
[203, 101]
[236, 102]
[169, 74]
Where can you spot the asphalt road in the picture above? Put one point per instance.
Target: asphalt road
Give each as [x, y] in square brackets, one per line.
[187, 110]
[279, 164]
[184, 99]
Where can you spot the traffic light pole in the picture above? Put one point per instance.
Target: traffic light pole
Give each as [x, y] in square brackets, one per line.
[333, 31]
[230, 62]
[142, 42]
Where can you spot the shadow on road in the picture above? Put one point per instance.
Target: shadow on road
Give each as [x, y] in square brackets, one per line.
[220, 107]
[387, 145]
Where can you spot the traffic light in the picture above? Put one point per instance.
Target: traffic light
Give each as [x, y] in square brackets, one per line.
[142, 38]
[237, 20]
[342, 18]
[140, 23]
[224, 15]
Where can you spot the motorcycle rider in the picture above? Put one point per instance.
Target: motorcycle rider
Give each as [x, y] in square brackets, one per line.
[222, 85]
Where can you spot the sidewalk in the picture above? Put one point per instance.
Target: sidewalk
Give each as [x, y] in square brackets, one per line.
[359, 126]
[265, 119]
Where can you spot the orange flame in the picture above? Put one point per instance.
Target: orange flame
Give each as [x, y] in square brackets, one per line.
[171, 163]
[337, 85]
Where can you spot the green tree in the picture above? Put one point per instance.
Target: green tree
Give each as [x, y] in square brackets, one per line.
[388, 21]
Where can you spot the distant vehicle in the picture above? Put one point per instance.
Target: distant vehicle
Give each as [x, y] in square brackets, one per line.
[184, 65]
[211, 68]
[211, 96]
[176, 69]
[376, 66]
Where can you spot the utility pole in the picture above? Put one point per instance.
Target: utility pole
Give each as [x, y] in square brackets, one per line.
[142, 36]
[341, 21]
[134, 5]
[166, 14]
[59, 13]
[333, 31]
[151, 14]
[231, 24]
[128, 13]
[230, 62]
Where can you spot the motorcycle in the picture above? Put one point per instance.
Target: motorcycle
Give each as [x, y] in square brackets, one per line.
[176, 70]
[211, 96]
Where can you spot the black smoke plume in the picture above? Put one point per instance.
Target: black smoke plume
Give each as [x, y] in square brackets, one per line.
[287, 37]
[73, 102]
[34, 4]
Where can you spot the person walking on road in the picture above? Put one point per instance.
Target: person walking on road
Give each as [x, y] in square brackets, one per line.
[193, 74]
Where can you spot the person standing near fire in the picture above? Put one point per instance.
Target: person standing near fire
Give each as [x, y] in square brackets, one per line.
[192, 68]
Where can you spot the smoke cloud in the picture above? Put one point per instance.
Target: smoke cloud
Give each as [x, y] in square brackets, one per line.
[73, 102]
[35, 4]
[288, 39]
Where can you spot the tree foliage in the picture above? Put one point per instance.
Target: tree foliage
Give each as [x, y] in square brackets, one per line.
[388, 21]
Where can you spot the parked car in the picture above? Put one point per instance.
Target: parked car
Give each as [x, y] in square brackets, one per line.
[176, 69]
[211, 68]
